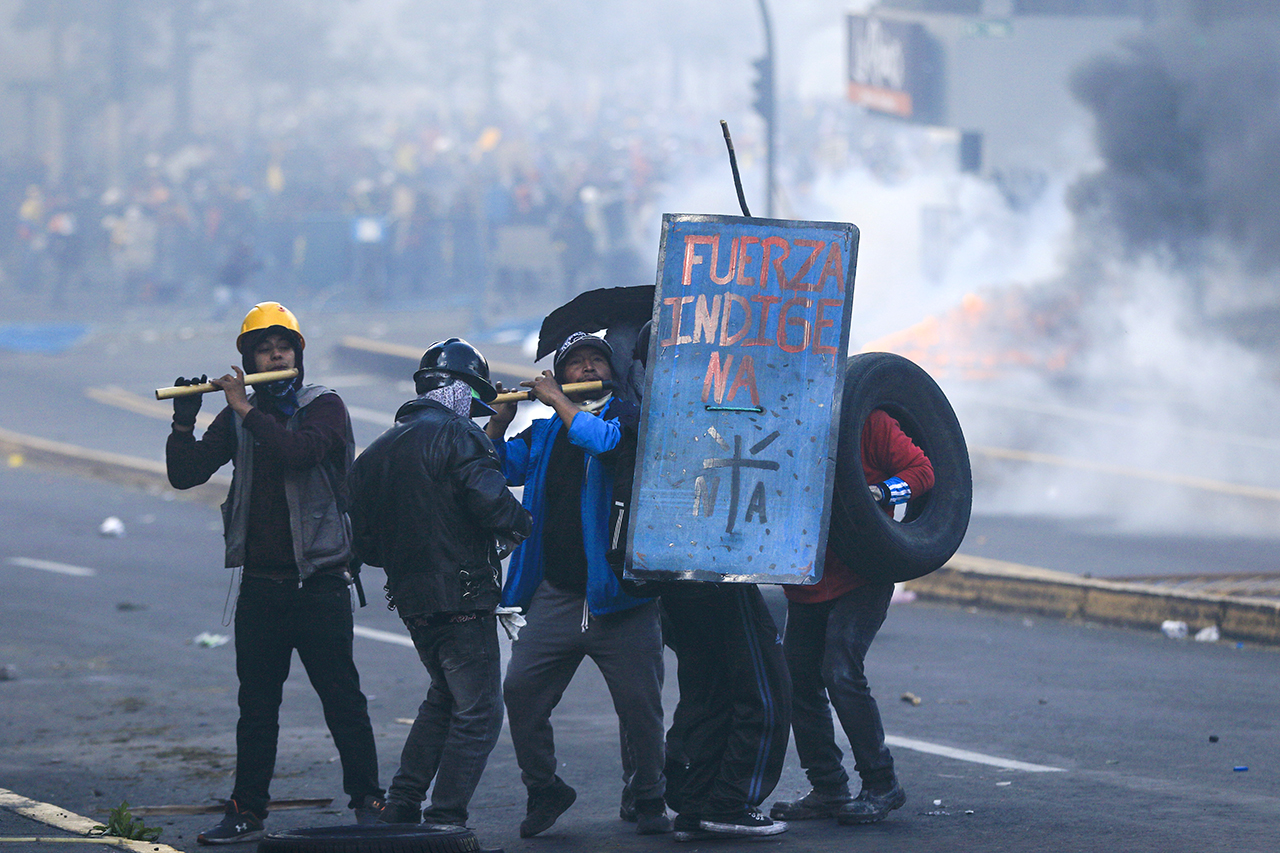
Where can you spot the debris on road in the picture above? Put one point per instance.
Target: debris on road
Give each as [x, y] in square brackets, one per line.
[111, 526]
[210, 641]
[1207, 635]
[1174, 629]
[911, 699]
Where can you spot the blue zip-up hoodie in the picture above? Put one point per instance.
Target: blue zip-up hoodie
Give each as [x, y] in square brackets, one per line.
[525, 461]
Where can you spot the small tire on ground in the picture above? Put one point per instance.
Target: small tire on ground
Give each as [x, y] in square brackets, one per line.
[372, 838]
[867, 540]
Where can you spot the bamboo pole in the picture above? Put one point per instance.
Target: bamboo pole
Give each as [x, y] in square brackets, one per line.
[204, 388]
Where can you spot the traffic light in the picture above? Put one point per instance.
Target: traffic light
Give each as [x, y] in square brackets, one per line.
[763, 85]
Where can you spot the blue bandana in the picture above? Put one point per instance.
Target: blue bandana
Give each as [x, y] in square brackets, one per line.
[283, 395]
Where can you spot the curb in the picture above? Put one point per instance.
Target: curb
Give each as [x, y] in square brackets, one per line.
[401, 361]
[994, 584]
[964, 580]
[103, 465]
[65, 821]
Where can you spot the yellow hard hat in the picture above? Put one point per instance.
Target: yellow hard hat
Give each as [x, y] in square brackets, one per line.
[264, 315]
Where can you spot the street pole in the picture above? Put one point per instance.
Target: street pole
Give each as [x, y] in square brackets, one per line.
[769, 109]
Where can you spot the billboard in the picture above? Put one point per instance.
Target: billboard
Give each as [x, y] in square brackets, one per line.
[740, 424]
[895, 67]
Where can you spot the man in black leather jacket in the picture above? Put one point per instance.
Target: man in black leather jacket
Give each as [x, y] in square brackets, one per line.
[430, 504]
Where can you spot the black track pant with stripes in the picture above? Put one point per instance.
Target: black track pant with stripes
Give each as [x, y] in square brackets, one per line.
[729, 730]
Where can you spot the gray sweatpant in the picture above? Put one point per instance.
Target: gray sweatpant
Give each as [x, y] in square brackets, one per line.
[627, 648]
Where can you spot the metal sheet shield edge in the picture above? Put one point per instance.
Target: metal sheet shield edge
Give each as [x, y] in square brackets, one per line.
[735, 467]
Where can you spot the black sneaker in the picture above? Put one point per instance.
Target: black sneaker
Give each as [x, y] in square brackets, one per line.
[651, 817]
[399, 813]
[688, 827]
[236, 826]
[545, 805]
[818, 803]
[869, 806]
[369, 809]
[745, 821]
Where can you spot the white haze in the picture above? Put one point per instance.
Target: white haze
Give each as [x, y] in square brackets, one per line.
[1154, 422]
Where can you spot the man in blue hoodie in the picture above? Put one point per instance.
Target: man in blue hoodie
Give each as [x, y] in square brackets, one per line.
[574, 605]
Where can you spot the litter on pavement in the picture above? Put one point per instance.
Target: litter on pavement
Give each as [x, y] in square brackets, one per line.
[111, 526]
[210, 641]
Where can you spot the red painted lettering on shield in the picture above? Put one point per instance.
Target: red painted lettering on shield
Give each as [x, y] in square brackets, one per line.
[713, 386]
[750, 295]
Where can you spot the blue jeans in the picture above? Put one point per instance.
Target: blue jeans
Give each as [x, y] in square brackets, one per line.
[457, 724]
[825, 645]
[272, 620]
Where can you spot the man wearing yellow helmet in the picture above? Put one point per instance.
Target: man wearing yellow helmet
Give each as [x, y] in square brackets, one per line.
[291, 446]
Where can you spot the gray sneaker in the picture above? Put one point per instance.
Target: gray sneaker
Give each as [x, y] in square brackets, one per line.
[870, 807]
[545, 805]
[818, 803]
[651, 817]
[393, 812]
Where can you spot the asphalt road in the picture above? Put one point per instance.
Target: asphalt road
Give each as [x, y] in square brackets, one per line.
[111, 698]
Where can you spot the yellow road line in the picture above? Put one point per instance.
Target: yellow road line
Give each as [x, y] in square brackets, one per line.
[415, 355]
[1202, 483]
[114, 396]
[1126, 421]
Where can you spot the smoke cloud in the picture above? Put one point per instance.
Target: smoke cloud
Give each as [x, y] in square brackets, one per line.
[1188, 127]
[1110, 349]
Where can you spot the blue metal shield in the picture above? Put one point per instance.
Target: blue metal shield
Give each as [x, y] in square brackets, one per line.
[738, 438]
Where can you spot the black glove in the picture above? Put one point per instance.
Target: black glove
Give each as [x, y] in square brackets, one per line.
[186, 408]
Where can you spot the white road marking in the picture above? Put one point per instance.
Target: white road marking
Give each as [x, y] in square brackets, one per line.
[383, 636]
[50, 566]
[892, 740]
[966, 755]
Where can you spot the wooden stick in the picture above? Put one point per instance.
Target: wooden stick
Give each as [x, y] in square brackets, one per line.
[578, 388]
[219, 808]
[204, 388]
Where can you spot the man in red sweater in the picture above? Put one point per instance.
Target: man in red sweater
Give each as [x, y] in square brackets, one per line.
[830, 626]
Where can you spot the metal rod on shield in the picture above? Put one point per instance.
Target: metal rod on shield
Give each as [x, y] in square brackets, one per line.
[733, 164]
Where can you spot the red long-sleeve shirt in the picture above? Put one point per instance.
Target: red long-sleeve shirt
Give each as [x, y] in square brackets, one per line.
[887, 452]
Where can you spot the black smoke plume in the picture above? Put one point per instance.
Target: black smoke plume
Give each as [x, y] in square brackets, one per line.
[1188, 127]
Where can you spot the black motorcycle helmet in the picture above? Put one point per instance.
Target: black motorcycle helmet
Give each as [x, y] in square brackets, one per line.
[455, 357]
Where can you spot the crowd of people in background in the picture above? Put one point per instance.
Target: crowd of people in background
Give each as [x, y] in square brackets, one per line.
[419, 216]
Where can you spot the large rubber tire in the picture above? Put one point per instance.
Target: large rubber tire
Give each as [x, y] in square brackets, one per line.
[372, 838]
[867, 540]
